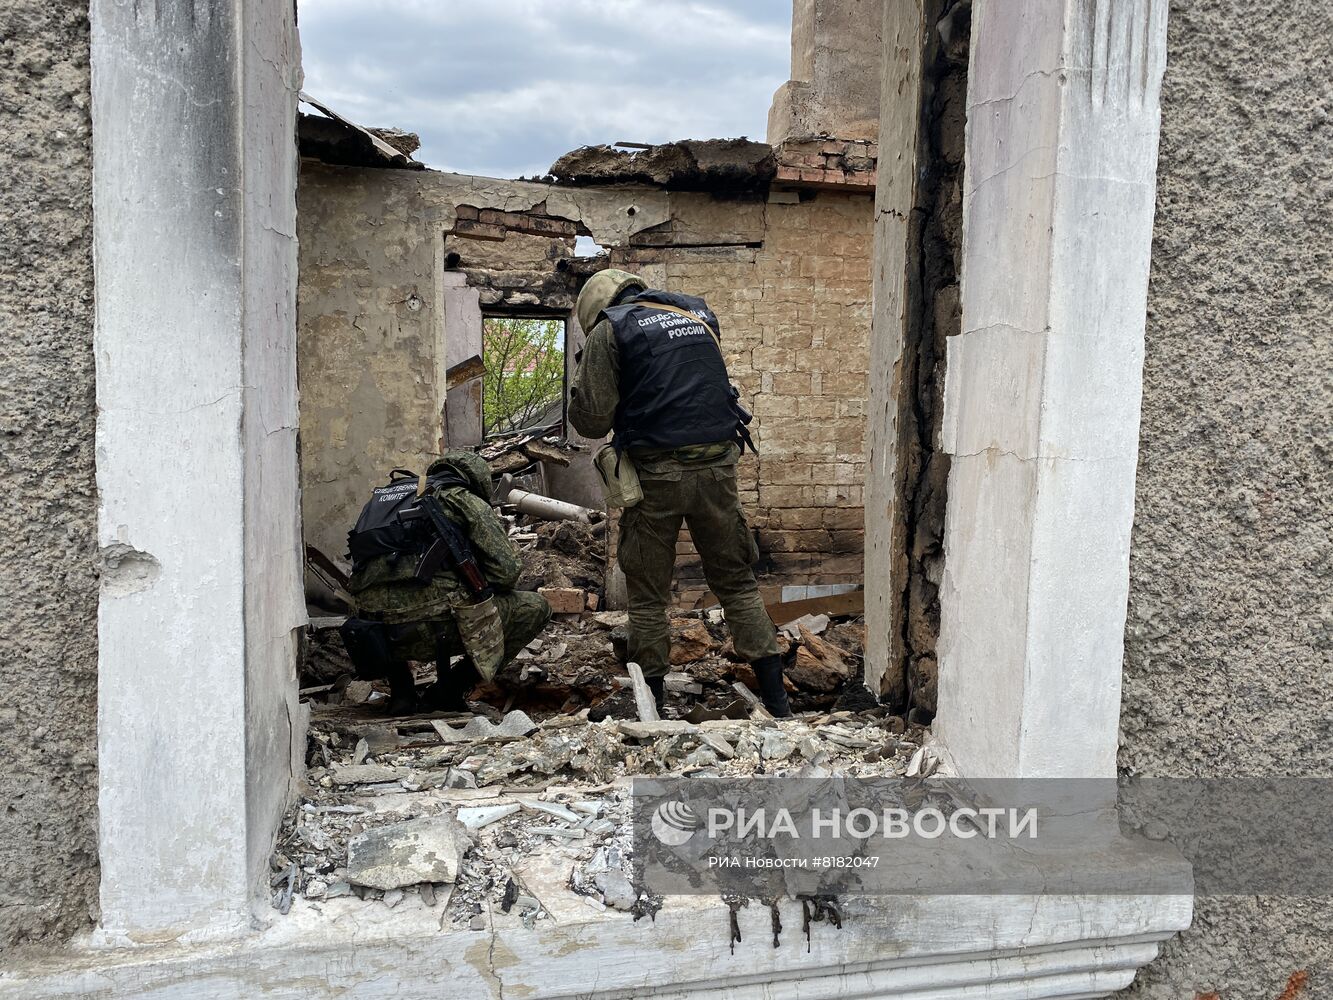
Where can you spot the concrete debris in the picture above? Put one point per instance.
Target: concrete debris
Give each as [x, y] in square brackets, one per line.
[367, 774]
[776, 745]
[480, 817]
[922, 765]
[814, 624]
[550, 810]
[617, 891]
[420, 850]
[692, 164]
[643, 695]
[513, 726]
[533, 781]
[652, 730]
[556, 831]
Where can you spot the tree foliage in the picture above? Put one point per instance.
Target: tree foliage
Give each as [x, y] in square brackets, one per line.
[525, 371]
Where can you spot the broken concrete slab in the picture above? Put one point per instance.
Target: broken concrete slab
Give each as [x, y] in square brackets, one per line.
[367, 774]
[551, 809]
[644, 701]
[428, 849]
[718, 744]
[776, 745]
[479, 817]
[815, 624]
[655, 729]
[617, 891]
[513, 726]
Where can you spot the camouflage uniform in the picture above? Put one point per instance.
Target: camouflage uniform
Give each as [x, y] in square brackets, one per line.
[385, 591]
[694, 484]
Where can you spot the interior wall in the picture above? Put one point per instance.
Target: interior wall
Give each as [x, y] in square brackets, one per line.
[48, 585]
[1227, 665]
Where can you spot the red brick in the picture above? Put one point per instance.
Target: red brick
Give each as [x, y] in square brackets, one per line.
[565, 600]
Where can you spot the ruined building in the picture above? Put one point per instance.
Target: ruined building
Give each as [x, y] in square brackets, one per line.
[1056, 399]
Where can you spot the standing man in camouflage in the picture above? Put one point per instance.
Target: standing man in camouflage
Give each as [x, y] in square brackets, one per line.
[652, 372]
[400, 617]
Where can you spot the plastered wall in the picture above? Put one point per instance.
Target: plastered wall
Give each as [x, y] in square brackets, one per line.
[1227, 667]
[48, 580]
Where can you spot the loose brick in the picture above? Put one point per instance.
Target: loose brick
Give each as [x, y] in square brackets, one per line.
[565, 600]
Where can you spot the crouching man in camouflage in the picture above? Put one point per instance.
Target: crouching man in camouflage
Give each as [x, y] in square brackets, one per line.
[433, 576]
[652, 371]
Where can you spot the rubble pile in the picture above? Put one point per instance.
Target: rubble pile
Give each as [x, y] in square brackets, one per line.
[479, 815]
[519, 809]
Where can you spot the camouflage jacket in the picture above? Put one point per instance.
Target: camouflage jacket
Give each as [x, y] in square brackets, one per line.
[595, 394]
[385, 587]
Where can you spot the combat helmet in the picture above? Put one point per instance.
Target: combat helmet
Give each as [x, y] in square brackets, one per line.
[471, 466]
[600, 291]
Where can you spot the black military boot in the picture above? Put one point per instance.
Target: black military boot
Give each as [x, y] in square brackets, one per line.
[657, 685]
[768, 671]
[450, 690]
[402, 689]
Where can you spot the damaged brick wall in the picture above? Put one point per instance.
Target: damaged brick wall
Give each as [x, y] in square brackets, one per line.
[788, 272]
[48, 588]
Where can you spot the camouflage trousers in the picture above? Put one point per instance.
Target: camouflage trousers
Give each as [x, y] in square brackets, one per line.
[523, 614]
[705, 499]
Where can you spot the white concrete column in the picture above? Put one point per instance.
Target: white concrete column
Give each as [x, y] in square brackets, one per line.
[1044, 382]
[195, 256]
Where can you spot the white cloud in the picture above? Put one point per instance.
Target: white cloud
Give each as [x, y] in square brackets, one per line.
[506, 86]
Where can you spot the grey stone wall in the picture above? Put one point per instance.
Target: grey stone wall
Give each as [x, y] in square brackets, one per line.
[48, 580]
[1227, 666]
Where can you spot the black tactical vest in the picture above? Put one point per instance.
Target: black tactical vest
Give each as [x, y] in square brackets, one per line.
[379, 532]
[674, 389]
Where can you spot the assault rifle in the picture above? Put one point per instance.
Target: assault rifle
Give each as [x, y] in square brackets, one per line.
[450, 547]
[743, 420]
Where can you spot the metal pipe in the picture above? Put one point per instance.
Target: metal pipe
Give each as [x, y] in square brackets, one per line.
[544, 507]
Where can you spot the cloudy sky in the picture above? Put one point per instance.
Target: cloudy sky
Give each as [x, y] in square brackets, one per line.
[503, 87]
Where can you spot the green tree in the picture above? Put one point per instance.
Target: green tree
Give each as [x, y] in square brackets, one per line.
[525, 371]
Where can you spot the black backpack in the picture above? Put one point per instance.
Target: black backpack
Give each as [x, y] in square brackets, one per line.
[379, 532]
